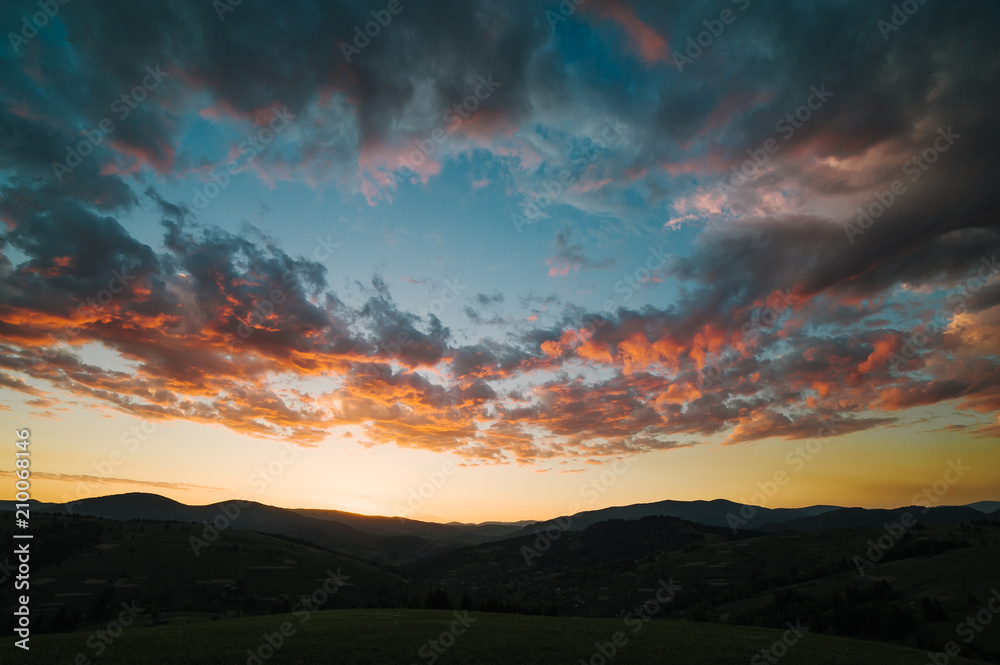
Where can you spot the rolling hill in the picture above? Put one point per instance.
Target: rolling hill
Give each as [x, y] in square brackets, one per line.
[380, 545]
[397, 541]
[710, 513]
[918, 588]
[872, 517]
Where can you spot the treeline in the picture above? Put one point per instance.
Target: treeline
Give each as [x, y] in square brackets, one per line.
[868, 612]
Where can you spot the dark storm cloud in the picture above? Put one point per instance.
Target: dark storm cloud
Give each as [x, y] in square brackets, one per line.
[73, 254]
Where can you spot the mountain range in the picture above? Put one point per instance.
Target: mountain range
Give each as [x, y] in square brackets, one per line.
[397, 540]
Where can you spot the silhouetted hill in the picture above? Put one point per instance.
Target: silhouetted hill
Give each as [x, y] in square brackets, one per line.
[401, 526]
[129, 506]
[384, 539]
[397, 540]
[554, 568]
[859, 517]
[86, 566]
[252, 516]
[710, 513]
[910, 589]
[986, 506]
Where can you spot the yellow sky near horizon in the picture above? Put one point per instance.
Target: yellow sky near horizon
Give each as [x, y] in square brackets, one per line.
[94, 454]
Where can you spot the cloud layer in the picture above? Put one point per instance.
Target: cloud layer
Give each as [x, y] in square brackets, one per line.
[829, 184]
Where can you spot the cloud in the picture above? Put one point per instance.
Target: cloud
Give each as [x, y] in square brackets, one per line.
[108, 480]
[569, 257]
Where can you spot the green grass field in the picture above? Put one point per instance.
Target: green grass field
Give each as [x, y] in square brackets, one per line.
[387, 637]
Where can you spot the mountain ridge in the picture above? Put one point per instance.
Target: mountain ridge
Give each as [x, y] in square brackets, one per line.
[398, 540]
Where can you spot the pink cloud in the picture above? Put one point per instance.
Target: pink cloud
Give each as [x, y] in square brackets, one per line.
[650, 46]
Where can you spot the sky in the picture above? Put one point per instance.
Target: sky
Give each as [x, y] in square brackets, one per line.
[481, 261]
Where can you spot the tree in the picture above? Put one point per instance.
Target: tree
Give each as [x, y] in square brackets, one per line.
[437, 599]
